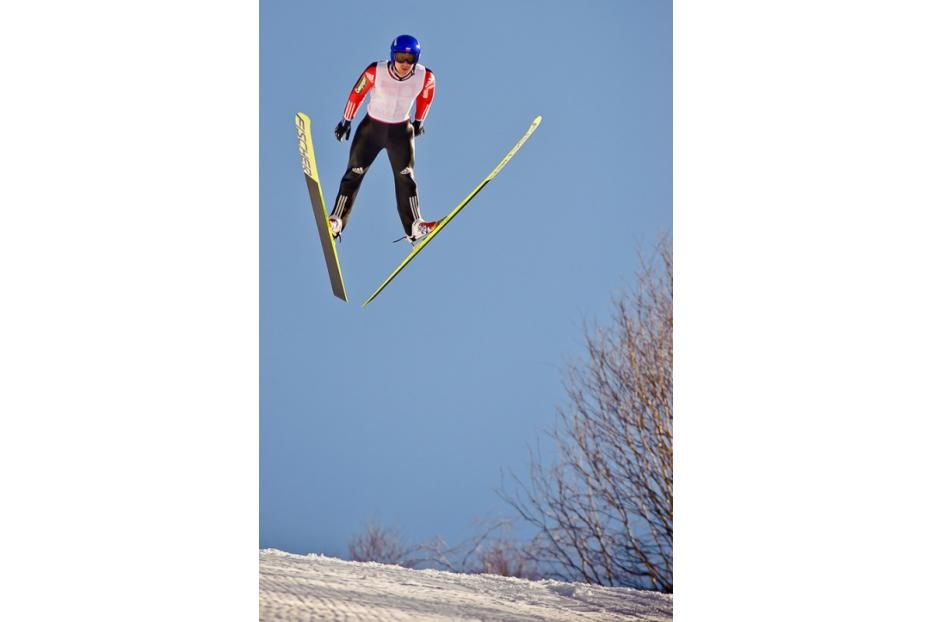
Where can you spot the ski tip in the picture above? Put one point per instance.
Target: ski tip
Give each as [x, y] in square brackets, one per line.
[373, 295]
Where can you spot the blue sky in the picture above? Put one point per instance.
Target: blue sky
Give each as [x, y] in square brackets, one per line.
[408, 411]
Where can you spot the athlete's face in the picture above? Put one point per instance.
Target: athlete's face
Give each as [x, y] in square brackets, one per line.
[404, 63]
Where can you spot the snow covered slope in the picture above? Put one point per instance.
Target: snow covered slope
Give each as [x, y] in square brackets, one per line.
[313, 587]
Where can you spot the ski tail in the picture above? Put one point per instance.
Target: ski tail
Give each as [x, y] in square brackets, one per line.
[318, 207]
[443, 222]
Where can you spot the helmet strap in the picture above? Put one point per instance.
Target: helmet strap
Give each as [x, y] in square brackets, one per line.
[396, 75]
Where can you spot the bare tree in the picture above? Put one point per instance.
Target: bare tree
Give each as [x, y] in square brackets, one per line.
[490, 551]
[378, 544]
[506, 558]
[604, 510]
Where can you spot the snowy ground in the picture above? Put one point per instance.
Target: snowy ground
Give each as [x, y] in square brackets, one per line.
[312, 587]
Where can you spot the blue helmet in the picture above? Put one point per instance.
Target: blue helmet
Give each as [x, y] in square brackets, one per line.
[405, 43]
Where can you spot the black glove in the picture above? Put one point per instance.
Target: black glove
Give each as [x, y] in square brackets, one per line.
[342, 130]
[418, 129]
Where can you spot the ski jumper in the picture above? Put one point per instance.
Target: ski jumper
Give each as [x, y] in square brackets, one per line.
[386, 126]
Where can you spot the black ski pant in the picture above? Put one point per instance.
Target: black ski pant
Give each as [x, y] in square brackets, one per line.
[398, 139]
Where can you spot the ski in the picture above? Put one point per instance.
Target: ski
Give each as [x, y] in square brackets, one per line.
[444, 221]
[309, 166]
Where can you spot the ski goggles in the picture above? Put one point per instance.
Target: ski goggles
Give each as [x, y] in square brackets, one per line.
[405, 57]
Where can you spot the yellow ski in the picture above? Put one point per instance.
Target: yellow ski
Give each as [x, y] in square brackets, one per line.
[443, 222]
[306, 149]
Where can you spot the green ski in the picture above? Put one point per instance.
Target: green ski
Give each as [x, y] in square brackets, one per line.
[308, 164]
[444, 221]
